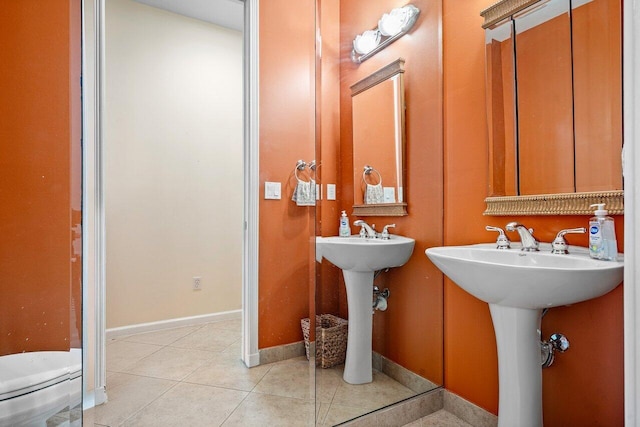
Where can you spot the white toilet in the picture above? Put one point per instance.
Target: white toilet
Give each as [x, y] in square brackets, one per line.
[38, 385]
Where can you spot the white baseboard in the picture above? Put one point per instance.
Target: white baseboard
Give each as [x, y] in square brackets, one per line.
[253, 360]
[172, 323]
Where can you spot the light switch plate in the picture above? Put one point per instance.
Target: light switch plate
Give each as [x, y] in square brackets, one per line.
[272, 191]
[331, 191]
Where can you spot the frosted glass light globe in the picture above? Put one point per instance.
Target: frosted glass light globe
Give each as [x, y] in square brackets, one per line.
[392, 23]
[366, 42]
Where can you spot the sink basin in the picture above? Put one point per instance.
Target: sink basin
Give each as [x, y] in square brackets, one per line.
[359, 259]
[532, 280]
[518, 286]
[358, 254]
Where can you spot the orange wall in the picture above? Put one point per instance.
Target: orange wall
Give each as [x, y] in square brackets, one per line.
[410, 331]
[287, 116]
[585, 385]
[39, 174]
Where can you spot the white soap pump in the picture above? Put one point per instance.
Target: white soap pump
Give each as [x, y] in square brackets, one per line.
[602, 235]
[345, 229]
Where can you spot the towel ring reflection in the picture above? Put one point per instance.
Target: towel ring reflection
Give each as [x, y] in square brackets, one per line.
[368, 170]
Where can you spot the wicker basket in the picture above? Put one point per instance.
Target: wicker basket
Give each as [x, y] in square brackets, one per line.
[331, 339]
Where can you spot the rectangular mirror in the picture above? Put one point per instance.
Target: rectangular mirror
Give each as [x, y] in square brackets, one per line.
[378, 143]
[554, 106]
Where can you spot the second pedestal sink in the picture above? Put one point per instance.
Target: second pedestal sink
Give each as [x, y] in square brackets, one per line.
[518, 285]
[359, 258]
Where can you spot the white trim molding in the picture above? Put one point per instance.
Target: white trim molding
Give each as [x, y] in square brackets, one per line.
[172, 323]
[93, 243]
[631, 99]
[250, 354]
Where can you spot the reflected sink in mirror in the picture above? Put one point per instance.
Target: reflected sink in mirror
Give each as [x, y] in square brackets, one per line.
[355, 253]
[531, 280]
[359, 258]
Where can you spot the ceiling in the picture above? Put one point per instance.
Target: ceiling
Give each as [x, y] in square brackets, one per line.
[226, 13]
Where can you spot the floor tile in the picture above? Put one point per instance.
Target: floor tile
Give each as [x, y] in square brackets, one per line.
[128, 394]
[289, 379]
[327, 383]
[265, 410]
[227, 370]
[340, 413]
[194, 376]
[235, 349]
[190, 405]
[232, 325]
[440, 418]
[171, 363]
[164, 337]
[208, 338]
[381, 392]
[121, 355]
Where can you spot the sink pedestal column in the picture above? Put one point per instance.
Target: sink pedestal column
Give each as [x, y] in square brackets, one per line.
[358, 366]
[519, 366]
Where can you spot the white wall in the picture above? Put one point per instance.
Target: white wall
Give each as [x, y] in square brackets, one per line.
[173, 152]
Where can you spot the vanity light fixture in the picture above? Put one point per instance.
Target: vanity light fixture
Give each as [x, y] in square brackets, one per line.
[391, 27]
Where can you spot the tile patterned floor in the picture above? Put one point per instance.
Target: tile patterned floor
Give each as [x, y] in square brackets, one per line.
[192, 376]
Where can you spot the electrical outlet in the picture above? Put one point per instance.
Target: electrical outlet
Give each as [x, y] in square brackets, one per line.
[197, 283]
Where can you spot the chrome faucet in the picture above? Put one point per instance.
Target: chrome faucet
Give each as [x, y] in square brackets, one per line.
[529, 242]
[366, 230]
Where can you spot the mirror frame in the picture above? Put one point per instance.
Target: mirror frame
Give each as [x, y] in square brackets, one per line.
[543, 204]
[385, 209]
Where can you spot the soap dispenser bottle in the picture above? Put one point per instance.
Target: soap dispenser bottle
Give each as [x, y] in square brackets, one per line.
[345, 229]
[602, 235]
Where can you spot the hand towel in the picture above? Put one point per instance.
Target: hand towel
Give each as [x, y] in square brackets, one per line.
[305, 193]
[374, 194]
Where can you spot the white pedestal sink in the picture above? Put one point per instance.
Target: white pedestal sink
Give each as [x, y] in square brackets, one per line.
[518, 285]
[359, 258]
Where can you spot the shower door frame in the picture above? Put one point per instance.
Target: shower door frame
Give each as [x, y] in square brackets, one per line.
[94, 281]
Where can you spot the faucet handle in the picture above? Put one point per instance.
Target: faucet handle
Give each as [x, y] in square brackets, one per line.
[385, 232]
[503, 241]
[559, 244]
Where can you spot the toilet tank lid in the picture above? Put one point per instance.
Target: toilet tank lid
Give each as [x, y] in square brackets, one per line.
[22, 373]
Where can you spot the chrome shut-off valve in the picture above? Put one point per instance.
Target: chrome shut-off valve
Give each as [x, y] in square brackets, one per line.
[557, 342]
